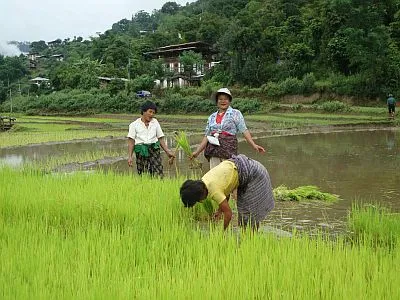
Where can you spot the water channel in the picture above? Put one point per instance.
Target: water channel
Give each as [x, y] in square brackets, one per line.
[357, 165]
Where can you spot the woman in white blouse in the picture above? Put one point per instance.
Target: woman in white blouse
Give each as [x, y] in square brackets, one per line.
[145, 137]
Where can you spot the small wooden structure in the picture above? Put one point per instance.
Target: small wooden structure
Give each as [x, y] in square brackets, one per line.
[6, 123]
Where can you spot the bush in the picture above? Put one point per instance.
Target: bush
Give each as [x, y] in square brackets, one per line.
[308, 83]
[186, 104]
[334, 106]
[274, 90]
[292, 86]
[246, 105]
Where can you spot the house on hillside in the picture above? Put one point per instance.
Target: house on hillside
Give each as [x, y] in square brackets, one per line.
[58, 57]
[40, 81]
[104, 81]
[170, 54]
[34, 58]
[54, 43]
[32, 55]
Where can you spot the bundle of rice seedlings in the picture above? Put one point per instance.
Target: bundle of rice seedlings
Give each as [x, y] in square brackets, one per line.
[182, 141]
[208, 206]
[301, 193]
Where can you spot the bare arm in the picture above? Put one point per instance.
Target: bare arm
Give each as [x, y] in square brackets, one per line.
[227, 211]
[131, 146]
[165, 147]
[249, 139]
[201, 147]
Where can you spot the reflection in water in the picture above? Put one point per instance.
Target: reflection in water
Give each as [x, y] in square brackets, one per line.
[390, 140]
[12, 160]
[357, 165]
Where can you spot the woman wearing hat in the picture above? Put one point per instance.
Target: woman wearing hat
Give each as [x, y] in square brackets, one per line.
[220, 140]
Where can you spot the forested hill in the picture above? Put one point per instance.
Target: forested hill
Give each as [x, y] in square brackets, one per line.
[345, 47]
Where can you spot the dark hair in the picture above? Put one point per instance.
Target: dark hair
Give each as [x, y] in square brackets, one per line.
[192, 192]
[148, 105]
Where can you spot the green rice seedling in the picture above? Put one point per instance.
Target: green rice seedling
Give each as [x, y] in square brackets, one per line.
[183, 142]
[208, 206]
[107, 235]
[375, 224]
[25, 137]
[88, 157]
[203, 211]
[302, 193]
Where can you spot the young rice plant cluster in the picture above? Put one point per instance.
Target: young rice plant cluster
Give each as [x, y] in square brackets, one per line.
[104, 235]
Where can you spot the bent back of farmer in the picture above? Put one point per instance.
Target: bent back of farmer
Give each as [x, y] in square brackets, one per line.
[255, 196]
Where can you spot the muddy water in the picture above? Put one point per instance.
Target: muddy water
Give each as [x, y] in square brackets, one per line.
[356, 165]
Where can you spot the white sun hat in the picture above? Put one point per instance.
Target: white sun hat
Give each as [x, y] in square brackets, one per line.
[222, 91]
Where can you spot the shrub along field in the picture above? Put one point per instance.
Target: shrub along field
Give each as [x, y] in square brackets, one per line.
[105, 235]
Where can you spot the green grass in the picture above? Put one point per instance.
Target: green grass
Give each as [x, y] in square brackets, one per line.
[8, 139]
[374, 224]
[33, 130]
[104, 235]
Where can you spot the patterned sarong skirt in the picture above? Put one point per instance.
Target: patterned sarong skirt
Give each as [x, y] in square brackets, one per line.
[255, 198]
[151, 164]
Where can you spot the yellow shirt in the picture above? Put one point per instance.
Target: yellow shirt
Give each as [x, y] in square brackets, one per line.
[221, 181]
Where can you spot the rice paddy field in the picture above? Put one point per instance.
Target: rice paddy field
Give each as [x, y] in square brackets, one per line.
[102, 235]
[106, 235]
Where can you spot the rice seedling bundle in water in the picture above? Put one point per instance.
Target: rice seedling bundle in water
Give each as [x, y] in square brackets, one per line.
[302, 193]
[183, 143]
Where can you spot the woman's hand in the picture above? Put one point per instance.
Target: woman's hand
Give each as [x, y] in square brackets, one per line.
[258, 148]
[130, 162]
[170, 154]
[217, 215]
[193, 155]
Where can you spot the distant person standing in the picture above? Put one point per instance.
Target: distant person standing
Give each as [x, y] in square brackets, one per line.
[391, 103]
[145, 138]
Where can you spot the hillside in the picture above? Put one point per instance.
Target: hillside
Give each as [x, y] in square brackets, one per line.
[346, 48]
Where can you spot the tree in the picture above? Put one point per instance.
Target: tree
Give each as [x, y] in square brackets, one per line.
[38, 46]
[170, 8]
[12, 68]
[3, 92]
[82, 74]
[143, 20]
[191, 62]
[117, 53]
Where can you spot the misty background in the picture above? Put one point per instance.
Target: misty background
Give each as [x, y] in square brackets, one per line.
[7, 49]
[22, 21]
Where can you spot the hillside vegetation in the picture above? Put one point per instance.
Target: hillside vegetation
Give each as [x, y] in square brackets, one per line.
[266, 49]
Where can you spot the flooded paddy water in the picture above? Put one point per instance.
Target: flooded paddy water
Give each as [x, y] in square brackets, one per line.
[357, 165]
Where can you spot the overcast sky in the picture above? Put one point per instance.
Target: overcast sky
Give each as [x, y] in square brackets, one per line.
[24, 20]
